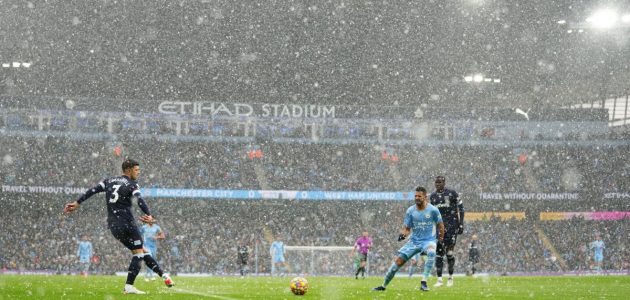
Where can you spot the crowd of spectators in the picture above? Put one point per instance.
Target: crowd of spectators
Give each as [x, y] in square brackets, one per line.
[471, 170]
[202, 233]
[573, 238]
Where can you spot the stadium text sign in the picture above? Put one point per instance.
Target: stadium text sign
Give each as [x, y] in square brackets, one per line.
[247, 110]
[68, 190]
[616, 195]
[529, 196]
[297, 195]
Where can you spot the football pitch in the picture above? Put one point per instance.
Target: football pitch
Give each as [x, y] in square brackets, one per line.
[483, 287]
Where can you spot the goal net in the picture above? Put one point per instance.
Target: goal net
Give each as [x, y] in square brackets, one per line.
[319, 260]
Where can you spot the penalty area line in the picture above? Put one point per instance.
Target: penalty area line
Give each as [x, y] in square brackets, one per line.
[202, 294]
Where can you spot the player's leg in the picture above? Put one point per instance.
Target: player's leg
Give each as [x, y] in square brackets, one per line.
[243, 267]
[430, 249]
[131, 238]
[285, 268]
[412, 264]
[133, 243]
[152, 264]
[598, 262]
[450, 258]
[147, 272]
[391, 272]
[357, 265]
[86, 267]
[407, 251]
[152, 251]
[439, 263]
[363, 262]
[82, 267]
[280, 268]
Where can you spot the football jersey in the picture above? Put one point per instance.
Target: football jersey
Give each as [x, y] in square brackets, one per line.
[363, 243]
[243, 252]
[422, 223]
[598, 247]
[149, 234]
[119, 192]
[447, 202]
[85, 250]
[278, 248]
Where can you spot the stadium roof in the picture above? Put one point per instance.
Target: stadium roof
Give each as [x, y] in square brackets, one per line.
[526, 53]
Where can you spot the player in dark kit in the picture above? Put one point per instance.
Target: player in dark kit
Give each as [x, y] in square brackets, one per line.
[243, 256]
[119, 192]
[452, 211]
[473, 254]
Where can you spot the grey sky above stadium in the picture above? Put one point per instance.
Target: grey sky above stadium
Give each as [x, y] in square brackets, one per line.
[327, 52]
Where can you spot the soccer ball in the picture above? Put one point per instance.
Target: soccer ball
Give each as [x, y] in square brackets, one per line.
[299, 285]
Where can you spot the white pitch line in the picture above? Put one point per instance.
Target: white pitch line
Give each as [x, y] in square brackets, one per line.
[202, 294]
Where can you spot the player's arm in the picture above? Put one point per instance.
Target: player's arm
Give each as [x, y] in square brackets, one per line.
[147, 217]
[406, 229]
[99, 188]
[160, 235]
[404, 233]
[439, 224]
[441, 231]
[460, 213]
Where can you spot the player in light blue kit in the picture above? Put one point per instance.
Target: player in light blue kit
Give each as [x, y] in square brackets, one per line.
[277, 256]
[85, 255]
[151, 233]
[421, 220]
[598, 251]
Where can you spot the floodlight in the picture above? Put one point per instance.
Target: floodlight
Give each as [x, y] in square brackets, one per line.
[604, 18]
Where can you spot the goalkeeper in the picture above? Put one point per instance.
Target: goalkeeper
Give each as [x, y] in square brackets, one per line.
[421, 221]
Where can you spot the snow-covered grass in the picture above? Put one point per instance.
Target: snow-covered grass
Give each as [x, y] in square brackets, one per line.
[320, 287]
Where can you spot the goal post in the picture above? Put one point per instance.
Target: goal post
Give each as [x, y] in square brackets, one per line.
[319, 260]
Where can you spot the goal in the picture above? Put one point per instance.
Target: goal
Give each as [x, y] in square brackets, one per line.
[319, 260]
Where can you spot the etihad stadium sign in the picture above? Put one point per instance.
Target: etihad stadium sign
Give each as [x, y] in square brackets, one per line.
[247, 110]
